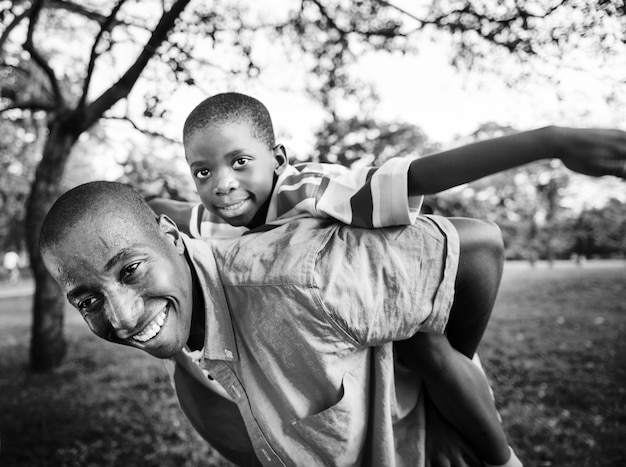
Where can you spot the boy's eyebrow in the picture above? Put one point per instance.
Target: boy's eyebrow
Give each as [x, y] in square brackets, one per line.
[233, 153]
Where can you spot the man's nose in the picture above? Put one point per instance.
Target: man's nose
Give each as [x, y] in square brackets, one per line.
[124, 310]
[225, 182]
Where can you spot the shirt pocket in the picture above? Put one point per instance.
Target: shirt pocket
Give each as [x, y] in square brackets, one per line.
[337, 433]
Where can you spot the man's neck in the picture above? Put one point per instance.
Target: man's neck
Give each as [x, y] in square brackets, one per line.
[198, 320]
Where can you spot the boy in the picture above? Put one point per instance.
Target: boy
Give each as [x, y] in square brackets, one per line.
[286, 328]
[233, 133]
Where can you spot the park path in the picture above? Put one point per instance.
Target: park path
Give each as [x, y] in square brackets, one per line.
[23, 288]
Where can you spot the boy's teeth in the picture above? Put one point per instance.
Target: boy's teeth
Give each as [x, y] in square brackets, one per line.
[152, 329]
[234, 206]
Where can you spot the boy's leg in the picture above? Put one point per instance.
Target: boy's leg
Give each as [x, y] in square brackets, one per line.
[457, 387]
[478, 278]
[460, 391]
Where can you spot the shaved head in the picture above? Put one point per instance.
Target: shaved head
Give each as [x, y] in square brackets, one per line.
[229, 108]
[119, 204]
[121, 267]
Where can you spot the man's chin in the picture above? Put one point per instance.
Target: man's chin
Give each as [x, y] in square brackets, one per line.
[161, 351]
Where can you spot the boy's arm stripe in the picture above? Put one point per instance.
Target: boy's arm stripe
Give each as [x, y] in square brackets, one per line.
[362, 207]
[195, 221]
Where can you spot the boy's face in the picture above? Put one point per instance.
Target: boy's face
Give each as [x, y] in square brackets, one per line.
[131, 289]
[233, 171]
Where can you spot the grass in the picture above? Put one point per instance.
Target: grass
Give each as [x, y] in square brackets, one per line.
[554, 350]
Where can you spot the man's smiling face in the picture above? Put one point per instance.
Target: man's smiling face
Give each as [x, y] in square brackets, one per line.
[132, 286]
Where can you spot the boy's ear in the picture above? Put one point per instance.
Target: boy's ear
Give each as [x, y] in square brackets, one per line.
[170, 229]
[280, 156]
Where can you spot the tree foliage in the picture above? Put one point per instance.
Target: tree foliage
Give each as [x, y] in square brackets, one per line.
[75, 64]
[368, 141]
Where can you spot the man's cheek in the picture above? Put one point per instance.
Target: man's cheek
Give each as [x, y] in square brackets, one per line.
[98, 326]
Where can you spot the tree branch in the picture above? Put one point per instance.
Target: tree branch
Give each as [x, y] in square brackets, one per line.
[106, 26]
[29, 105]
[144, 131]
[37, 58]
[122, 87]
[16, 20]
[79, 9]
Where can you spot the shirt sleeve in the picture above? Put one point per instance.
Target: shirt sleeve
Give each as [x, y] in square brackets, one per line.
[387, 284]
[367, 197]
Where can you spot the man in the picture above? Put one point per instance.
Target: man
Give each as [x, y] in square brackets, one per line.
[306, 358]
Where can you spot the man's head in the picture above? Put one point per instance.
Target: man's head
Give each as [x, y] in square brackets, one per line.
[230, 148]
[123, 269]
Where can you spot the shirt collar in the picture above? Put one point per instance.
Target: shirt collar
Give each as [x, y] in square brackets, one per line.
[272, 210]
[219, 336]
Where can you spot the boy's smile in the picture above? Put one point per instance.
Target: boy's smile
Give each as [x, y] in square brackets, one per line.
[233, 171]
[131, 287]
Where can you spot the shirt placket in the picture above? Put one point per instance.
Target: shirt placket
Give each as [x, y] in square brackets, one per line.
[229, 381]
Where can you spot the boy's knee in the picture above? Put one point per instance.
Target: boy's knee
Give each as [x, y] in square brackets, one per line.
[479, 237]
[491, 237]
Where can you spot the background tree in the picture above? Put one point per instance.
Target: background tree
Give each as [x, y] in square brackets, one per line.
[368, 141]
[167, 44]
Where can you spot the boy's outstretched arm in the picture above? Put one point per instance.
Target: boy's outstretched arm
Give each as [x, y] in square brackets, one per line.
[588, 151]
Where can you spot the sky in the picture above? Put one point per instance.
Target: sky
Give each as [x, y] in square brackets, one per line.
[447, 103]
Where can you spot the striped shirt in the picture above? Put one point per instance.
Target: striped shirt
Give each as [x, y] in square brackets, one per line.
[366, 197]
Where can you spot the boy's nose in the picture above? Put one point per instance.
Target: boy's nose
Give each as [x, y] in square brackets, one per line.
[225, 184]
[124, 311]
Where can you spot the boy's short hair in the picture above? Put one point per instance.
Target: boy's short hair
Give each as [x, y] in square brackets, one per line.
[94, 200]
[231, 107]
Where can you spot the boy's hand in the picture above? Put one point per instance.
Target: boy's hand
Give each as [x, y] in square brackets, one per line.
[445, 447]
[593, 152]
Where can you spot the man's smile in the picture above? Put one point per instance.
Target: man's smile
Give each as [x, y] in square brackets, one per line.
[153, 328]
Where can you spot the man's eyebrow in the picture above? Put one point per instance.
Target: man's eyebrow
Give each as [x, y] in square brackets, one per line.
[124, 252]
[76, 292]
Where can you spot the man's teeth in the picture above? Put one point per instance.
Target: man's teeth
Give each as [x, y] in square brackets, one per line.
[153, 328]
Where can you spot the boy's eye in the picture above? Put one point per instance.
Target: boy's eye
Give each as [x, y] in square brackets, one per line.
[128, 271]
[202, 173]
[240, 162]
[87, 303]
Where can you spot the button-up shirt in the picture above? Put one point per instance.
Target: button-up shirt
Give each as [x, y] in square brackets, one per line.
[300, 322]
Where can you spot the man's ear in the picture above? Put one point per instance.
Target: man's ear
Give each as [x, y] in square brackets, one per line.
[280, 156]
[170, 229]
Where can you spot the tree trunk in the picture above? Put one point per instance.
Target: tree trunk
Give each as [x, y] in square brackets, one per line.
[48, 345]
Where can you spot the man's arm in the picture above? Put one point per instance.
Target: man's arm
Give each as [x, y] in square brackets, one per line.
[588, 151]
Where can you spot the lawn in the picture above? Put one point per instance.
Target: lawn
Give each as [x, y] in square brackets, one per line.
[554, 351]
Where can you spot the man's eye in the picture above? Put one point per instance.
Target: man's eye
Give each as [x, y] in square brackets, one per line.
[240, 162]
[202, 173]
[129, 270]
[87, 303]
